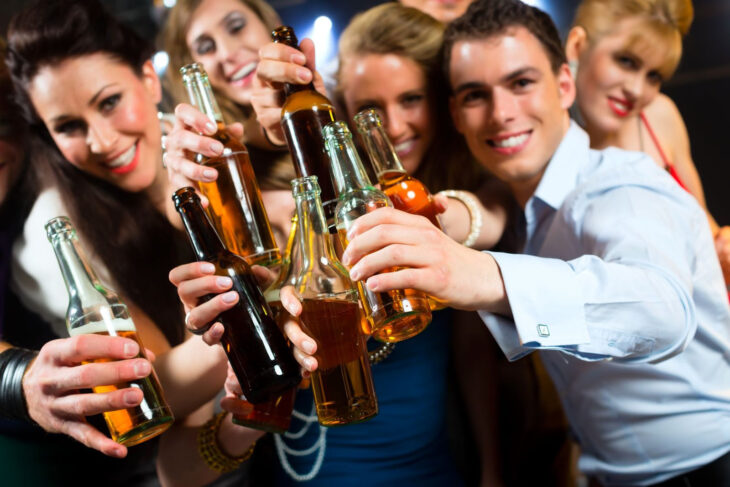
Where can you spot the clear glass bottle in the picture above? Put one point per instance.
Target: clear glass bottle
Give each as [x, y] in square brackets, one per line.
[236, 208]
[274, 416]
[303, 116]
[393, 315]
[342, 384]
[256, 349]
[95, 309]
[405, 192]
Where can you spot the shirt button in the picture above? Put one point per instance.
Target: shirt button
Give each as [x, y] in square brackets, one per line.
[543, 330]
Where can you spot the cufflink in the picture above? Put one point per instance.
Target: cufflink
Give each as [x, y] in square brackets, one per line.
[543, 330]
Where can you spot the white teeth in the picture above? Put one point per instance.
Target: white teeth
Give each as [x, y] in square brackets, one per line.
[244, 71]
[404, 146]
[124, 159]
[513, 141]
[621, 106]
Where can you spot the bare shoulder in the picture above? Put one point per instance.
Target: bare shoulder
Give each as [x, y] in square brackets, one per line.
[665, 118]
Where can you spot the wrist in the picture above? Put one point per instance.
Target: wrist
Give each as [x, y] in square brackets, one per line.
[14, 363]
[235, 440]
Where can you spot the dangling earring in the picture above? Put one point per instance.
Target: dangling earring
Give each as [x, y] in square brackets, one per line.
[573, 66]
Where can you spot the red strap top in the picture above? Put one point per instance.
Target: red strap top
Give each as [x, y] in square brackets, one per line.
[667, 163]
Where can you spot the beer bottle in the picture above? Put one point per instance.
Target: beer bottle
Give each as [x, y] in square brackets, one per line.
[342, 385]
[93, 308]
[393, 315]
[303, 116]
[405, 192]
[236, 208]
[257, 350]
[274, 415]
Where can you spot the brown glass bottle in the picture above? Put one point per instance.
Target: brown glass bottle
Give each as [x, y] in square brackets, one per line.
[405, 192]
[304, 114]
[256, 348]
[236, 208]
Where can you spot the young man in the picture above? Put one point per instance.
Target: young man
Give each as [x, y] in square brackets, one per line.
[619, 286]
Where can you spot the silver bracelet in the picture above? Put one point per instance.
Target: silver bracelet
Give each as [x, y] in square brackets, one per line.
[472, 204]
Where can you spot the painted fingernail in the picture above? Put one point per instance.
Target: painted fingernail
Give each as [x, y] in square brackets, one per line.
[211, 128]
[224, 282]
[209, 174]
[207, 268]
[309, 363]
[216, 147]
[355, 273]
[230, 297]
[217, 331]
[308, 346]
[142, 368]
[303, 75]
[131, 349]
[130, 398]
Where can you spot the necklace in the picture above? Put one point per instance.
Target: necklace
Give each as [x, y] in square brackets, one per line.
[381, 353]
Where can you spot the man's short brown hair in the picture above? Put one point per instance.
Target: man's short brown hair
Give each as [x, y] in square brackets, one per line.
[487, 18]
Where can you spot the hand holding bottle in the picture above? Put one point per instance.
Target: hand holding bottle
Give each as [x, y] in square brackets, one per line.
[51, 386]
[185, 141]
[279, 64]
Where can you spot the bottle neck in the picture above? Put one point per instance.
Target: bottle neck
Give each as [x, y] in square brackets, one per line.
[203, 238]
[348, 172]
[291, 88]
[381, 152]
[84, 288]
[201, 96]
[314, 237]
[291, 262]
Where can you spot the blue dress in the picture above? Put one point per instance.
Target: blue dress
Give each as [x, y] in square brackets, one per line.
[406, 443]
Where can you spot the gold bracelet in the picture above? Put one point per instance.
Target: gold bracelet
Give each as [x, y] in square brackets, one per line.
[472, 204]
[210, 451]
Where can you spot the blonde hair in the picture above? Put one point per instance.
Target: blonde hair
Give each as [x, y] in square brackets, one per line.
[173, 40]
[668, 19]
[392, 28]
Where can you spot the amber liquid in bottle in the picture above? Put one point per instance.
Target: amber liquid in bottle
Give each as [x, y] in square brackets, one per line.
[256, 349]
[273, 416]
[236, 207]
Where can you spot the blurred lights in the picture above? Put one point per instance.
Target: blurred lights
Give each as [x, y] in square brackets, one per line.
[169, 3]
[323, 24]
[160, 60]
[324, 41]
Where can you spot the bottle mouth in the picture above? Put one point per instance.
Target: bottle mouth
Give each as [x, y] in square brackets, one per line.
[366, 118]
[286, 34]
[337, 129]
[185, 195]
[308, 185]
[59, 226]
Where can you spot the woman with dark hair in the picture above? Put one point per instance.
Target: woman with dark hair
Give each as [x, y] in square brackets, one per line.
[87, 87]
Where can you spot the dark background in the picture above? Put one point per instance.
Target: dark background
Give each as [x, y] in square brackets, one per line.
[701, 87]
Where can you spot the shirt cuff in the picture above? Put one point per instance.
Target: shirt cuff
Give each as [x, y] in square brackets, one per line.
[546, 303]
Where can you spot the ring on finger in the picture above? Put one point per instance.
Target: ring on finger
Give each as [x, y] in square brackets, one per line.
[195, 331]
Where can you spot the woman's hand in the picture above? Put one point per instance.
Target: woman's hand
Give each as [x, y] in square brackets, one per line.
[51, 386]
[185, 141]
[279, 64]
[196, 281]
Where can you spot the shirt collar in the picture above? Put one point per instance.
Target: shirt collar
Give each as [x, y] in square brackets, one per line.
[561, 174]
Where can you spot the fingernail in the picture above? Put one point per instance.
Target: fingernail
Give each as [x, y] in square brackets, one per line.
[142, 368]
[298, 58]
[131, 349]
[209, 174]
[230, 297]
[211, 128]
[224, 282]
[118, 452]
[373, 284]
[355, 273]
[303, 75]
[350, 234]
[309, 362]
[346, 258]
[130, 398]
[207, 268]
[308, 346]
[216, 147]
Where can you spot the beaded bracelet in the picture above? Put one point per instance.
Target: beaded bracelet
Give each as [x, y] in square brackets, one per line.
[13, 364]
[210, 450]
[472, 204]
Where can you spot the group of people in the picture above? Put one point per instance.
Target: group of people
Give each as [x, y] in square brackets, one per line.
[568, 162]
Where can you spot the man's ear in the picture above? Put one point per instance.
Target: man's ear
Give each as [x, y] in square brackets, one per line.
[566, 86]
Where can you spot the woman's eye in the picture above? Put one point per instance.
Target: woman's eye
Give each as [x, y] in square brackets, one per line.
[236, 25]
[70, 127]
[412, 99]
[655, 78]
[627, 62]
[108, 103]
[204, 46]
